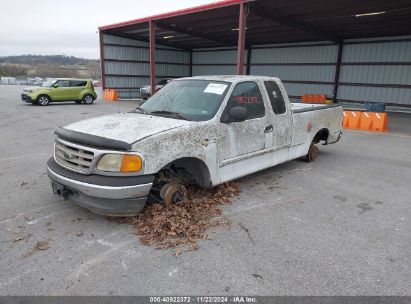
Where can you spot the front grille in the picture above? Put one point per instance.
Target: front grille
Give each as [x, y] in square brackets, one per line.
[73, 157]
[24, 96]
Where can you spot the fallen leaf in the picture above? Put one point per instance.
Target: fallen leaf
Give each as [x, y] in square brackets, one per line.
[43, 245]
[18, 238]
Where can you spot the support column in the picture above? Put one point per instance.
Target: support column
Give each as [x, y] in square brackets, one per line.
[102, 70]
[337, 71]
[191, 63]
[152, 29]
[242, 21]
[248, 63]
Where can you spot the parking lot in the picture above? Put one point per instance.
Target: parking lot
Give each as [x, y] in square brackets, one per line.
[338, 226]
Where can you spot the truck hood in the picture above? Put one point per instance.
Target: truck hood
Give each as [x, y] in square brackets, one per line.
[127, 127]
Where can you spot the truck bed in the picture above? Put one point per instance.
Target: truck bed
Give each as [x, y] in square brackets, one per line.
[297, 107]
[310, 118]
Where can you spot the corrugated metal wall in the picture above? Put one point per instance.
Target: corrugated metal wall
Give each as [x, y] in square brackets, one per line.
[221, 61]
[373, 70]
[303, 67]
[377, 69]
[126, 64]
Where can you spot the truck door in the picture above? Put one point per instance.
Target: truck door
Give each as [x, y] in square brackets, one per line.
[244, 139]
[282, 124]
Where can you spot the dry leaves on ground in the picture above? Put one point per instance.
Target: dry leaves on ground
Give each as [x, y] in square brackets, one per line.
[44, 245]
[41, 245]
[185, 222]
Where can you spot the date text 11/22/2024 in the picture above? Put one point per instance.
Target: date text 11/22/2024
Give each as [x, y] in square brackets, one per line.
[214, 299]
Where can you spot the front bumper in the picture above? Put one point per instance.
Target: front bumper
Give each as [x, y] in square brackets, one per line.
[106, 195]
[27, 98]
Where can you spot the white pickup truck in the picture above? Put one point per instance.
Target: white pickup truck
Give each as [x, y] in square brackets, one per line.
[204, 130]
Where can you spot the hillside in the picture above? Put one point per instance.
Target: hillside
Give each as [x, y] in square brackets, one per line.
[48, 66]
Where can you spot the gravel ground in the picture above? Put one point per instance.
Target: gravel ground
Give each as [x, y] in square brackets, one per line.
[338, 226]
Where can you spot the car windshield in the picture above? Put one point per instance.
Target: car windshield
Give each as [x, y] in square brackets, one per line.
[197, 100]
[49, 83]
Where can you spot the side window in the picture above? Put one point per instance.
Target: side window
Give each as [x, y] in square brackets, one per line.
[78, 83]
[276, 97]
[247, 95]
[64, 84]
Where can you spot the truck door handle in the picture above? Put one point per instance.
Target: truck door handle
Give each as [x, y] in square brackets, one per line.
[268, 129]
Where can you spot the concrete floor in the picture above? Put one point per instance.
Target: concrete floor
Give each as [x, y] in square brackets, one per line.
[338, 226]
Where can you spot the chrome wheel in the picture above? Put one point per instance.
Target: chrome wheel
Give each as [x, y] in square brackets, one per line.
[88, 99]
[43, 100]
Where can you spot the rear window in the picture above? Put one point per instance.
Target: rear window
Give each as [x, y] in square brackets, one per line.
[276, 97]
[78, 83]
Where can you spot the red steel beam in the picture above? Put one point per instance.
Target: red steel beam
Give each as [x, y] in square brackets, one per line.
[152, 41]
[185, 11]
[242, 21]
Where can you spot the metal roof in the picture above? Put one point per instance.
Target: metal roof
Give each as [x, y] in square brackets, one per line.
[272, 21]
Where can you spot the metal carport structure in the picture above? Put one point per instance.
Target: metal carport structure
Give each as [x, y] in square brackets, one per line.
[354, 51]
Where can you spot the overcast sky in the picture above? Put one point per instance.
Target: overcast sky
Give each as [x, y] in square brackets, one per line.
[50, 27]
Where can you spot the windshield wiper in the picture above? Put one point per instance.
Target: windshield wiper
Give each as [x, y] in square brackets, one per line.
[176, 114]
[139, 110]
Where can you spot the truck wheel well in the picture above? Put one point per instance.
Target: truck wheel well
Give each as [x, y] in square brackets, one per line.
[321, 135]
[190, 170]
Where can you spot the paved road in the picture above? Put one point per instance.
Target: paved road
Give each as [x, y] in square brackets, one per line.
[338, 226]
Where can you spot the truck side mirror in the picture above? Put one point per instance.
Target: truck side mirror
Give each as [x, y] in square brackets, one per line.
[238, 114]
[56, 85]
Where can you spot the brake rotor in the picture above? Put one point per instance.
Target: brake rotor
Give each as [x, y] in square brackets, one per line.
[312, 153]
[172, 193]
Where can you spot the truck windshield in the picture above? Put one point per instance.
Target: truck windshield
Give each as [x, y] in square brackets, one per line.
[49, 83]
[197, 100]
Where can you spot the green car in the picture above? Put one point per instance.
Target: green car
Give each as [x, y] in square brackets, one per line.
[61, 89]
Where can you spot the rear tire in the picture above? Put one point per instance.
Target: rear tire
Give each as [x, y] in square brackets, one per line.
[43, 100]
[88, 99]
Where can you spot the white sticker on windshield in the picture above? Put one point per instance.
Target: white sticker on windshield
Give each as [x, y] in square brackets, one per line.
[215, 88]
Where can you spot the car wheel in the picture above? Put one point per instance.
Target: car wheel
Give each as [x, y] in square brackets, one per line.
[88, 99]
[43, 100]
[78, 101]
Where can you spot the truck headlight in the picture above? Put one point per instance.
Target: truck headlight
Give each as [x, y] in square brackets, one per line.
[120, 163]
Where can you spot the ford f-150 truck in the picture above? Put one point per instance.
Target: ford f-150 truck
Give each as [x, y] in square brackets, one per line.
[199, 130]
